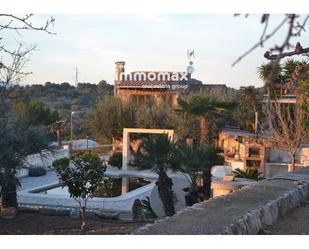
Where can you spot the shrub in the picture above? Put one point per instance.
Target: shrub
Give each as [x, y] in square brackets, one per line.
[249, 173]
[37, 171]
[61, 162]
[116, 160]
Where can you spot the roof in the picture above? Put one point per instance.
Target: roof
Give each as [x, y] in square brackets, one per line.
[157, 79]
[237, 132]
[151, 84]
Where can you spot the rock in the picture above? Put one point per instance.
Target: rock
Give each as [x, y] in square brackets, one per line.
[8, 213]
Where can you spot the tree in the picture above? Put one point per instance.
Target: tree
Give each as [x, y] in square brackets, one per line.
[154, 116]
[276, 74]
[104, 89]
[34, 113]
[17, 140]
[83, 178]
[206, 109]
[59, 127]
[185, 126]
[156, 153]
[197, 161]
[108, 118]
[13, 61]
[15, 144]
[286, 126]
[248, 106]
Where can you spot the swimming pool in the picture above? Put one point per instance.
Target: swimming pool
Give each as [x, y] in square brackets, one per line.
[110, 187]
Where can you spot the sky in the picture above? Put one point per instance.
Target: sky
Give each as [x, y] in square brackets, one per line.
[94, 42]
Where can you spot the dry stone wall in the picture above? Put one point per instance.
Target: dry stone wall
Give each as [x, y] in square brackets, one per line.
[247, 211]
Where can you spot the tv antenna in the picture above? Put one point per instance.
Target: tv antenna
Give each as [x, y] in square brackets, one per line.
[190, 55]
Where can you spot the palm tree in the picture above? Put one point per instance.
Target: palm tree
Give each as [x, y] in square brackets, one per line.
[265, 71]
[271, 74]
[197, 160]
[156, 152]
[206, 108]
[59, 127]
[248, 100]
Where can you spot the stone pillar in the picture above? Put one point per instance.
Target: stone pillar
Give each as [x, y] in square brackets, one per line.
[290, 167]
[125, 185]
[125, 160]
[125, 150]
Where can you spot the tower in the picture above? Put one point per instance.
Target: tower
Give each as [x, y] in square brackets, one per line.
[119, 75]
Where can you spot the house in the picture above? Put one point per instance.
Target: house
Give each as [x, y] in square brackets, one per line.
[243, 149]
[159, 86]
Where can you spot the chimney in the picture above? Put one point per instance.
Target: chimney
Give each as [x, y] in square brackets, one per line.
[119, 71]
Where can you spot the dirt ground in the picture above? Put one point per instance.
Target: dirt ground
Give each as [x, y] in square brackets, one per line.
[37, 223]
[295, 222]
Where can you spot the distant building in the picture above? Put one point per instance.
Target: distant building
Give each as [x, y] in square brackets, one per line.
[160, 86]
[243, 149]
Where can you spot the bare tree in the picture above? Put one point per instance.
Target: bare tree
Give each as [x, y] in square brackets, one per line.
[12, 61]
[14, 142]
[286, 125]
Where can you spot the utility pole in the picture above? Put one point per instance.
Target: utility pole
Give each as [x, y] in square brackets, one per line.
[76, 76]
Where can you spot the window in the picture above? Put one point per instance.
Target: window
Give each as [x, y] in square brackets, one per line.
[254, 152]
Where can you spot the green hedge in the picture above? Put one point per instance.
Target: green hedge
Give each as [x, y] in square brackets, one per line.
[37, 171]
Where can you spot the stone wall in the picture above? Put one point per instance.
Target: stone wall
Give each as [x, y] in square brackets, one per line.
[247, 211]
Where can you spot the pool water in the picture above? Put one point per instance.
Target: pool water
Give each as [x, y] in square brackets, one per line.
[110, 187]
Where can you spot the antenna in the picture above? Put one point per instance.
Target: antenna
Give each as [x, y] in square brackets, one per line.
[190, 68]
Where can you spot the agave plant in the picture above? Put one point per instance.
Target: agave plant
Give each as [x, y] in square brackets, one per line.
[249, 173]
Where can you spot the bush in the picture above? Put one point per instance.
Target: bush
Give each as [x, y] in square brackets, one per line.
[62, 162]
[116, 160]
[37, 171]
[249, 173]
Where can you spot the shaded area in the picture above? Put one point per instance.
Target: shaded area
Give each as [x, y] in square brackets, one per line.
[295, 223]
[213, 216]
[37, 223]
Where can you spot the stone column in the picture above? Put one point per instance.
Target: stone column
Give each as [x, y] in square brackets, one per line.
[125, 185]
[125, 160]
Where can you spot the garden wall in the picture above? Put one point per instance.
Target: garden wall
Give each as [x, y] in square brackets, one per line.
[247, 211]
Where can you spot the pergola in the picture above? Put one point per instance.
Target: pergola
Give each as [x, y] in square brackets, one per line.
[126, 148]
